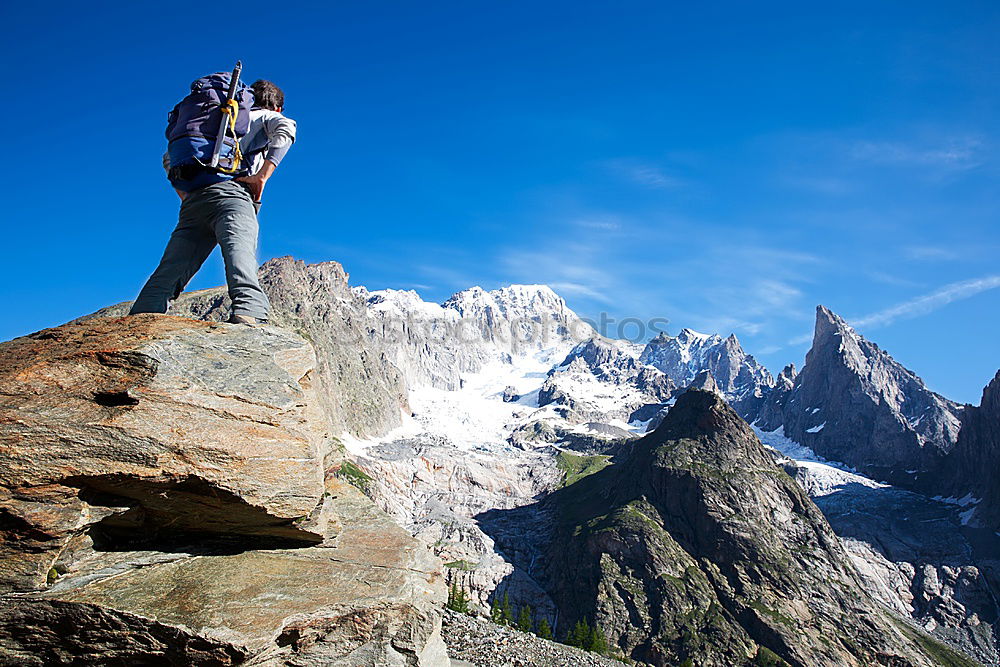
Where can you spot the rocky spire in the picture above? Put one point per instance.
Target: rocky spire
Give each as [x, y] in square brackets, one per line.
[705, 382]
[786, 378]
[854, 403]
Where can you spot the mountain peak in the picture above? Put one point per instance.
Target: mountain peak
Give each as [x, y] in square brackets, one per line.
[854, 403]
[699, 414]
[786, 378]
[533, 289]
[991, 395]
[829, 323]
[705, 382]
[511, 301]
[736, 374]
[701, 520]
[694, 336]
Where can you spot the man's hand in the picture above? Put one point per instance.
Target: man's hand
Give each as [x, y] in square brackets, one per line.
[258, 180]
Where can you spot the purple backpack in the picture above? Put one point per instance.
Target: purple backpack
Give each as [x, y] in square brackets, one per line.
[194, 123]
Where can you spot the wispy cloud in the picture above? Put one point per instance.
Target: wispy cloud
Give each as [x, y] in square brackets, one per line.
[606, 223]
[953, 154]
[890, 279]
[645, 174]
[801, 339]
[923, 253]
[563, 288]
[928, 303]
[566, 268]
[448, 278]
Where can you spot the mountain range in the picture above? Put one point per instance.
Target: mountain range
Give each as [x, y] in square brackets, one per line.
[673, 493]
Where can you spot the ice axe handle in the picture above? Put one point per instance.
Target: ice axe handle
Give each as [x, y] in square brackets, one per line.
[220, 138]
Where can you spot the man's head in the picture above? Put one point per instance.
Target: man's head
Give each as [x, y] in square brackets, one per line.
[267, 95]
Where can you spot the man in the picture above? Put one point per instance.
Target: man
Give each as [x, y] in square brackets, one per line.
[222, 210]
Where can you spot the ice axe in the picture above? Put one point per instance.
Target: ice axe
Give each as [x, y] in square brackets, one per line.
[230, 109]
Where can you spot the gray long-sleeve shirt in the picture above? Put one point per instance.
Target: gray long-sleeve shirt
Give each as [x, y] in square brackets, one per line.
[270, 136]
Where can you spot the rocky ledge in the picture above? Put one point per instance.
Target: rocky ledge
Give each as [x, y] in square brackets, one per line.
[168, 495]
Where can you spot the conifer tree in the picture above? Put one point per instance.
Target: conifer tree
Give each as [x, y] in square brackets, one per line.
[579, 636]
[596, 641]
[544, 629]
[458, 599]
[496, 613]
[524, 619]
[507, 616]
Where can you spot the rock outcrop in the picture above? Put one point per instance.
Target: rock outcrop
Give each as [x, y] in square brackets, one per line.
[705, 382]
[699, 547]
[771, 409]
[359, 387]
[168, 495]
[973, 466]
[435, 491]
[854, 403]
[916, 558]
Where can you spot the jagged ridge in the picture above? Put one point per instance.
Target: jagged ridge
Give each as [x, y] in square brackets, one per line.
[699, 546]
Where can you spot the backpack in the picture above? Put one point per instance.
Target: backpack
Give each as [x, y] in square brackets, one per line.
[192, 127]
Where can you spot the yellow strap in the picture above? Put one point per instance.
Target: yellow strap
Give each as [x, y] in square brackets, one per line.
[232, 109]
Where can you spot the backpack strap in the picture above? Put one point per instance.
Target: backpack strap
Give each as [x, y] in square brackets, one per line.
[231, 111]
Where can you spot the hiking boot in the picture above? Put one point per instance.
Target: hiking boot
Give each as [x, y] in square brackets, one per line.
[246, 319]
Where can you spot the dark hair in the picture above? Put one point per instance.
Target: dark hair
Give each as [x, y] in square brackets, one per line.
[267, 95]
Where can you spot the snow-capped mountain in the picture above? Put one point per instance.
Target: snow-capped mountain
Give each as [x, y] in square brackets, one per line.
[507, 396]
[504, 386]
[494, 425]
[737, 374]
[434, 344]
[602, 380]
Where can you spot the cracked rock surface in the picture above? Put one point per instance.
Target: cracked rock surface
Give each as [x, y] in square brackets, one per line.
[165, 498]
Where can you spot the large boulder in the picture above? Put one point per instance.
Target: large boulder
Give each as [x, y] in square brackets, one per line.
[369, 596]
[359, 388]
[168, 496]
[152, 424]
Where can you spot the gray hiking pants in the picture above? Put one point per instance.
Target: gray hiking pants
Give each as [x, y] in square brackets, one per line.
[221, 214]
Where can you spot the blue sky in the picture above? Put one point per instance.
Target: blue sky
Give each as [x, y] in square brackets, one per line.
[727, 166]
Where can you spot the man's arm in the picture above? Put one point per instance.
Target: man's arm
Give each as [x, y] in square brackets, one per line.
[166, 168]
[280, 132]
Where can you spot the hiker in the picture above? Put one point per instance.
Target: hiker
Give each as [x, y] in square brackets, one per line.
[219, 205]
